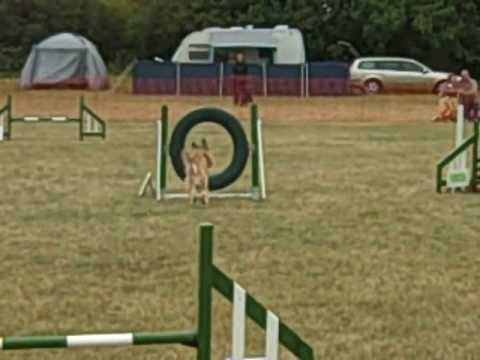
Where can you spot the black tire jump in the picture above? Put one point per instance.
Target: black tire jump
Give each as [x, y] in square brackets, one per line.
[240, 144]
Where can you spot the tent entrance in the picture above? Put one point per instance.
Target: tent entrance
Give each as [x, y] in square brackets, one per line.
[60, 67]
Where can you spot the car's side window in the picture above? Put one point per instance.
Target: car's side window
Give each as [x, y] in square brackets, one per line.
[366, 65]
[409, 66]
[389, 65]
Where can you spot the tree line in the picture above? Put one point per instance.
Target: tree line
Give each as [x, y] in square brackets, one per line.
[444, 34]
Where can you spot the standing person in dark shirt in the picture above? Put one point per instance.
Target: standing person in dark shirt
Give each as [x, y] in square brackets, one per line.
[241, 95]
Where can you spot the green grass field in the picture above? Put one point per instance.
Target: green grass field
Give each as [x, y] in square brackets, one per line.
[354, 249]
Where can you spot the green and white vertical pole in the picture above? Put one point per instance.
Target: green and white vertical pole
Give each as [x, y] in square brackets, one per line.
[161, 158]
[3, 121]
[9, 117]
[258, 165]
[80, 116]
[204, 330]
[458, 175]
[255, 159]
[475, 180]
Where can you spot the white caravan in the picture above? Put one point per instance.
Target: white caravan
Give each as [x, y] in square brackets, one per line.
[280, 45]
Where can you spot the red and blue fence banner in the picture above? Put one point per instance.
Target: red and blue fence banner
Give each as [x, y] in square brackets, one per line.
[254, 80]
[313, 79]
[202, 80]
[285, 80]
[150, 77]
[328, 79]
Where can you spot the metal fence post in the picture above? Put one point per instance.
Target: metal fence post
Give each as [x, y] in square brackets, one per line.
[307, 79]
[302, 80]
[221, 80]
[265, 79]
[179, 79]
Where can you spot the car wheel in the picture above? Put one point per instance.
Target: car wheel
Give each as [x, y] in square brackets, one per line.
[373, 87]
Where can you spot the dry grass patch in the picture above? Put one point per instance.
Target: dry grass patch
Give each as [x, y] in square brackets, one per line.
[353, 249]
[125, 106]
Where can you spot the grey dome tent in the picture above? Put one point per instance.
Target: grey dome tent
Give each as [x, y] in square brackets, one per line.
[64, 60]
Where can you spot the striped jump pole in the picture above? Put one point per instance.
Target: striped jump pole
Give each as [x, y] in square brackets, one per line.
[210, 278]
[96, 340]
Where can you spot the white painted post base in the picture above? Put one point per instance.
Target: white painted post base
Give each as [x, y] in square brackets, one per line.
[458, 175]
[147, 183]
[239, 329]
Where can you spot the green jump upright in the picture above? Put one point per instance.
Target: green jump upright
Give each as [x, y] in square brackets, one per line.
[210, 278]
[255, 150]
[470, 143]
[205, 292]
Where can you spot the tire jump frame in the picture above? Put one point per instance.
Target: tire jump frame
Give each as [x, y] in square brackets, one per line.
[89, 123]
[157, 182]
[459, 175]
[210, 278]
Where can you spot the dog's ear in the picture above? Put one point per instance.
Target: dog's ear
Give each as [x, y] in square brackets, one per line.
[205, 144]
[194, 145]
[209, 159]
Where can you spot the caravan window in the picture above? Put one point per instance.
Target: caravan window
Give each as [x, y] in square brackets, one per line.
[252, 55]
[199, 52]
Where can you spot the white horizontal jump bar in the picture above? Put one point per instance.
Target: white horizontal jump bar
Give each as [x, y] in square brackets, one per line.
[59, 118]
[212, 195]
[31, 118]
[99, 340]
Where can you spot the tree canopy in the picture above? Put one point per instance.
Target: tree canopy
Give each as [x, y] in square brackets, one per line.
[442, 33]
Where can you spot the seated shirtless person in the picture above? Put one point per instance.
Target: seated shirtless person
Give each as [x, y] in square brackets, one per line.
[468, 95]
[447, 103]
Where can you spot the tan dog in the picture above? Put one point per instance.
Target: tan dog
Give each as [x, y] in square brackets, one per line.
[197, 161]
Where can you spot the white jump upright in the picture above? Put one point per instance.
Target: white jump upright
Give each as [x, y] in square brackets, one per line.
[158, 161]
[2, 124]
[458, 176]
[261, 161]
[239, 329]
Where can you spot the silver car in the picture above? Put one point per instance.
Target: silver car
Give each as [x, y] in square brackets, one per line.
[389, 74]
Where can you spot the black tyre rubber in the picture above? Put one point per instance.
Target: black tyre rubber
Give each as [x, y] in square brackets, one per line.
[240, 144]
